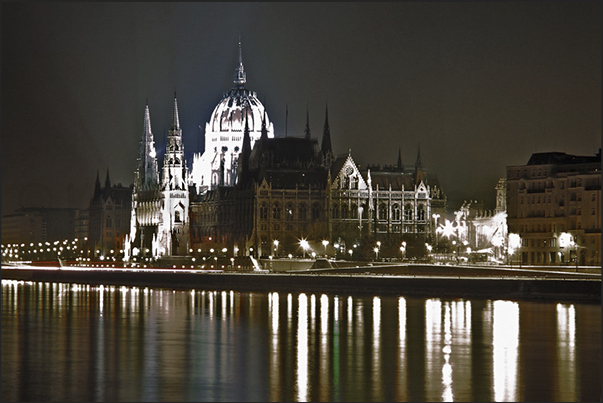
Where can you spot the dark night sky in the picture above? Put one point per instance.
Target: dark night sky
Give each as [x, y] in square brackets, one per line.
[479, 86]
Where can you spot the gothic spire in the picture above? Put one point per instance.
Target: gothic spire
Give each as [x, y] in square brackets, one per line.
[264, 135]
[325, 148]
[175, 117]
[400, 166]
[147, 165]
[97, 187]
[107, 181]
[418, 162]
[308, 134]
[240, 76]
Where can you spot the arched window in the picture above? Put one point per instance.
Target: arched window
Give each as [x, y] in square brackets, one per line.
[408, 212]
[353, 182]
[354, 210]
[176, 216]
[289, 212]
[421, 213]
[383, 211]
[315, 211]
[344, 182]
[344, 211]
[263, 211]
[396, 212]
[303, 212]
[335, 211]
[108, 222]
[276, 212]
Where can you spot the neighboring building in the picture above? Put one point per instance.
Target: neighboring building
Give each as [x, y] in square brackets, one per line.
[38, 224]
[82, 224]
[109, 219]
[224, 134]
[556, 193]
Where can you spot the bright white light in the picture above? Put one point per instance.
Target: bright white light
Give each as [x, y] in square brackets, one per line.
[505, 342]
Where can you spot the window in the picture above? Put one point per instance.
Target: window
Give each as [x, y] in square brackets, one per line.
[176, 216]
[383, 211]
[396, 212]
[276, 212]
[408, 212]
[263, 211]
[354, 211]
[353, 182]
[289, 212]
[108, 222]
[302, 212]
[344, 211]
[315, 211]
[421, 213]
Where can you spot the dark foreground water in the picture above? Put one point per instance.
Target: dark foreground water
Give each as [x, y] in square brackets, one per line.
[82, 343]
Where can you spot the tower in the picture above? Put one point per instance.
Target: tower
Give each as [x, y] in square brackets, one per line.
[173, 228]
[144, 218]
[325, 148]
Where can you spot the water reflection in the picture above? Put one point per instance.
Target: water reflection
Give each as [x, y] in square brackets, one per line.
[505, 342]
[78, 342]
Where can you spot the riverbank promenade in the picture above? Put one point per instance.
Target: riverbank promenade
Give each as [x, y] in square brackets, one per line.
[427, 280]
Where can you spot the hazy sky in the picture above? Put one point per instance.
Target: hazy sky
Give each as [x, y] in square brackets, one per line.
[479, 86]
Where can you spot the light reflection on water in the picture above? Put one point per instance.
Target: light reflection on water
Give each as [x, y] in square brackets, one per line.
[107, 343]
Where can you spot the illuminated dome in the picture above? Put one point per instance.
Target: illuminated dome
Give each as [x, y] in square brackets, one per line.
[229, 115]
[224, 134]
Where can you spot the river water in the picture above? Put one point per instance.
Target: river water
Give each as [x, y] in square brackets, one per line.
[66, 342]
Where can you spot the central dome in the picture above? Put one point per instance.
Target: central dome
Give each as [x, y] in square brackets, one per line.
[224, 134]
[229, 114]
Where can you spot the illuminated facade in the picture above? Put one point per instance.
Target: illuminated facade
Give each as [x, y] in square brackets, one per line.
[217, 166]
[555, 194]
[289, 189]
[159, 214]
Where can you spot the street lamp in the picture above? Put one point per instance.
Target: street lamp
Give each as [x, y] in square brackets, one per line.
[325, 243]
[376, 253]
[304, 245]
[275, 242]
[403, 249]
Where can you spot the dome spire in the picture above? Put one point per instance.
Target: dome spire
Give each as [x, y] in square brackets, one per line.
[240, 76]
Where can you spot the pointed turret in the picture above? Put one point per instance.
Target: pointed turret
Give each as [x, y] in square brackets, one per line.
[400, 166]
[97, 187]
[325, 148]
[147, 165]
[418, 162]
[175, 119]
[107, 181]
[419, 170]
[264, 135]
[243, 165]
[240, 76]
[308, 134]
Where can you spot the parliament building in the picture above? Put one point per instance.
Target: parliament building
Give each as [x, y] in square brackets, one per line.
[254, 193]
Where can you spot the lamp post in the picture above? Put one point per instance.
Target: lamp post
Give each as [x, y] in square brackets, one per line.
[325, 243]
[304, 245]
[275, 242]
[403, 249]
[435, 227]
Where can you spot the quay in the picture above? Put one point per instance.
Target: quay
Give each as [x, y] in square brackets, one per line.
[430, 281]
